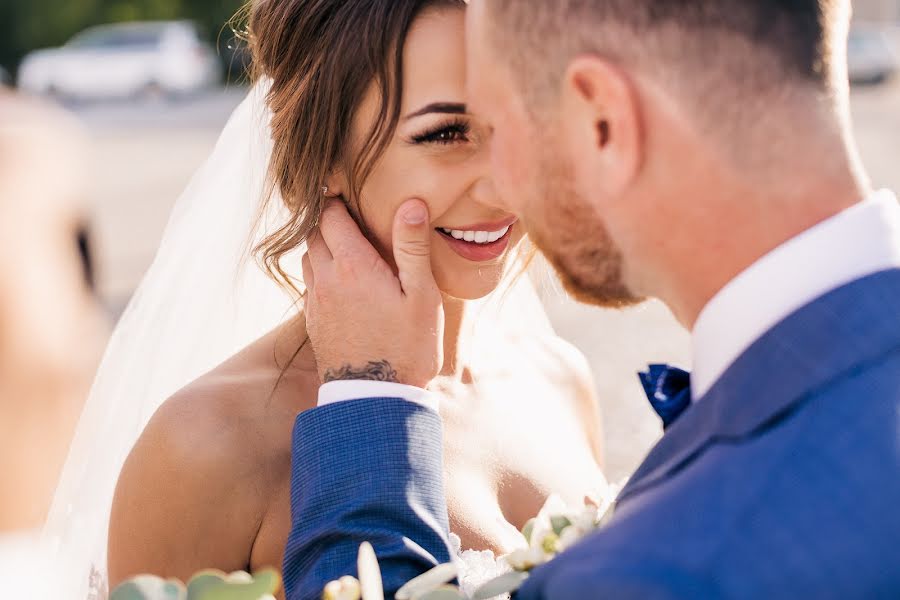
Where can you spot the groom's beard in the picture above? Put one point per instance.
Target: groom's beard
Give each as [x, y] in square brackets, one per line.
[577, 244]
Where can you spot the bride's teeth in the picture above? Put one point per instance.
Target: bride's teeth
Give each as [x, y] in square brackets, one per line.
[476, 237]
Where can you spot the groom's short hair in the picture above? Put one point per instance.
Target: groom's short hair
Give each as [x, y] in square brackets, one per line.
[706, 46]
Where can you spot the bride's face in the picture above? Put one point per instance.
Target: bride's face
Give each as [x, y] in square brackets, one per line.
[439, 155]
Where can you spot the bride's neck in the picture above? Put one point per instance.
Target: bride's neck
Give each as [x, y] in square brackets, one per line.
[455, 346]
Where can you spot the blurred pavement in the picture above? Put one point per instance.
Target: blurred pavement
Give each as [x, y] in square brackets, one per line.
[145, 154]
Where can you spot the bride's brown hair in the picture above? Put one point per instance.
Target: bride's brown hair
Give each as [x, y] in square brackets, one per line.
[321, 56]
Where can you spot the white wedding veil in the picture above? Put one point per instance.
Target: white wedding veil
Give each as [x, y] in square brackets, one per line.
[203, 299]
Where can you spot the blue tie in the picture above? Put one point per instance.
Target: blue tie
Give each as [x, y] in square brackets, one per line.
[669, 391]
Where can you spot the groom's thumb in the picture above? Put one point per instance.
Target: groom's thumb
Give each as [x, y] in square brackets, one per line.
[412, 247]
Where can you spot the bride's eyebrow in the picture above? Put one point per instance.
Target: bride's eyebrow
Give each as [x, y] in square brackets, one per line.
[446, 108]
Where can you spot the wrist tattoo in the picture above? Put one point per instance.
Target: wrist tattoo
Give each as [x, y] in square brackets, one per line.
[374, 371]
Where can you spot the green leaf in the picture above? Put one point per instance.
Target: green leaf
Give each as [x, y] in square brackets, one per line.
[238, 586]
[528, 530]
[128, 591]
[505, 584]
[559, 523]
[149, 587]
[427, 582]
[203, 581]
[445, 592]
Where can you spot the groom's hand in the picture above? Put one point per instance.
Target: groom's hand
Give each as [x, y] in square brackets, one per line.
[364, 321]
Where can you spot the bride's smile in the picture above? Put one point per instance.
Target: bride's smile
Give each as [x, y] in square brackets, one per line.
[480, 242]
[439, 154]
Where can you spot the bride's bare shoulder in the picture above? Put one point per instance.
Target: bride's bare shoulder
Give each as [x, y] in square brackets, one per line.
[239, 412]
[570, 360]
[204, 468]
[570, 364]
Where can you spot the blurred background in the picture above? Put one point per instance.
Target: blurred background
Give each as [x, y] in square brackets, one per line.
[154, 82]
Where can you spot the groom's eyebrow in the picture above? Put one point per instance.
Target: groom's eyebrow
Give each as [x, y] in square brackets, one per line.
[445, 108]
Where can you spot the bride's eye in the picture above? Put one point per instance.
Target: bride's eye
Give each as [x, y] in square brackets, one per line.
[447, 133]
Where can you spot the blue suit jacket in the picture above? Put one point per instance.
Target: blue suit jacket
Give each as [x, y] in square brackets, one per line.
[782, 482]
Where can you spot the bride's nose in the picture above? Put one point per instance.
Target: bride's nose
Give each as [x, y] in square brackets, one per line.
[484, 192]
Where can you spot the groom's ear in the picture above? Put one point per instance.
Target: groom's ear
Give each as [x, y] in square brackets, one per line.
[602, 123]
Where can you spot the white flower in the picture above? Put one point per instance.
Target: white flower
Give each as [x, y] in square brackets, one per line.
[428, 582]
[369, 573]
[553, 507]
[239, 577]
[500, 587]
[478, 567]
[586, 520]
[527, 558]
[543, 534]
[570, 536]
[556, 528]
[346, 588]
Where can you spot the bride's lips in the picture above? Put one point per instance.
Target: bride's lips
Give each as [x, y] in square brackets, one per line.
[474, 251]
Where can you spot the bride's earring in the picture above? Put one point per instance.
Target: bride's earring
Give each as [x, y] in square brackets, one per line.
[325, 193]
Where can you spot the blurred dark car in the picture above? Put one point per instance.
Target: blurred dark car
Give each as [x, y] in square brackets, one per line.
[870, 56]
[165, 58]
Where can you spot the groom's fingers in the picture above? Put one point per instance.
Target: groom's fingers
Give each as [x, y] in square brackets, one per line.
[342, 234]
[309, 281]
[359, 314]
[412, 247]
[309, 277]
[318, 252]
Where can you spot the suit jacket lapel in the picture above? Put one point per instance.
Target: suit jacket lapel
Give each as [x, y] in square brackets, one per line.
[821, 342]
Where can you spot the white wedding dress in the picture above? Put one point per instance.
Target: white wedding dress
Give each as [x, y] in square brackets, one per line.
[203, 299]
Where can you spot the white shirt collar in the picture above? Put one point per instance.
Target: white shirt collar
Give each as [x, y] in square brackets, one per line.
[857, 242]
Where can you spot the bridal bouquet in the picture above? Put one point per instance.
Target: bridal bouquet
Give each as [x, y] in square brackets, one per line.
[206, 585]
[555, 529]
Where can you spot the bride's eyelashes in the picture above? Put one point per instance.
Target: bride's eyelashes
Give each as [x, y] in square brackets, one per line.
[454, 131]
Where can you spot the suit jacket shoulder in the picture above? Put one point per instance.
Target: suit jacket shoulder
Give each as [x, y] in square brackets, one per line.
[782, 483]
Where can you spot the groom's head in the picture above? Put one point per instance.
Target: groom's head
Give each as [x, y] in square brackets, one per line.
[623, 129]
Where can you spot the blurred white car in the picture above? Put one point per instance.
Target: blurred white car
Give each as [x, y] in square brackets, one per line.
[870, 56]
[125, 60]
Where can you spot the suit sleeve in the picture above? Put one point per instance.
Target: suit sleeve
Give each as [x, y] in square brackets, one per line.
[365, 470]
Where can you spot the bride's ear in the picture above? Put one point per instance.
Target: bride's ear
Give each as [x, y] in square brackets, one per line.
[335, 185]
